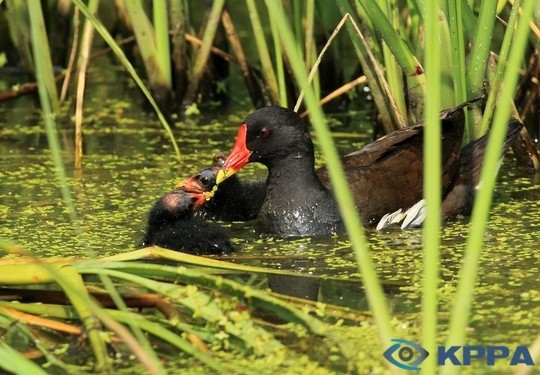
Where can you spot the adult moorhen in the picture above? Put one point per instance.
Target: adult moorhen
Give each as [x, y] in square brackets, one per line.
[384, 176]
[171, 224]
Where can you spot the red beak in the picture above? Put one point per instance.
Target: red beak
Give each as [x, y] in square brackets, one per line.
[198, 199]
[238, 157]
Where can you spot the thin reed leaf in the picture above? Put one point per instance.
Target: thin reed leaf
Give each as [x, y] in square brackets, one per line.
[462, 305]
[432, 184]
[343, 195]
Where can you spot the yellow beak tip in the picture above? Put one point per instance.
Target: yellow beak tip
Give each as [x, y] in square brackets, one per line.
[222, 175]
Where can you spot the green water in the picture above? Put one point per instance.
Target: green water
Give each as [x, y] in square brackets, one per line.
[128, 163]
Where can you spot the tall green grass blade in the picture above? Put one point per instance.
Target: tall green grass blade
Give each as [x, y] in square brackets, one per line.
[123, 59]
[266, 62]
[42, 51]
[461, 310]
[457, 43]
[432, 184]
[343, 195]
[161, 26]
[476, 72]
[499, 71]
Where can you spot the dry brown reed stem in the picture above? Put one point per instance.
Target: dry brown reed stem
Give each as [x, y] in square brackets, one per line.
[41, 322]
[86, 45]
[339, 91]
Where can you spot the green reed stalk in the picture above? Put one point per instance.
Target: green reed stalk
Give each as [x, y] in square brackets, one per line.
[264, 54]
[465, 292]
[499, 71]
[42, 52]
[457, 42]
[476, 72]
[161, 25]
[16, 363]
[432, 185]
[123, 59]
[375, 295]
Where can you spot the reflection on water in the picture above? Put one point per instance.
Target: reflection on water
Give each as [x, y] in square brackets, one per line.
[128, 163]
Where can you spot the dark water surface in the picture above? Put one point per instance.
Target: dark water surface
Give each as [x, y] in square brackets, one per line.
[129, 162]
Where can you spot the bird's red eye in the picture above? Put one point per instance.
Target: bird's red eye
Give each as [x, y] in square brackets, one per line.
[264, 133]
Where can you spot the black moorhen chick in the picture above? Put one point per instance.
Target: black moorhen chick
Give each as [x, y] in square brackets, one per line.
[384, 176]
[171, 224]
[235, 200]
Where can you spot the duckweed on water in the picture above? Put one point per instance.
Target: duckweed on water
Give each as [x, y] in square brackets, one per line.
[128, 163]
